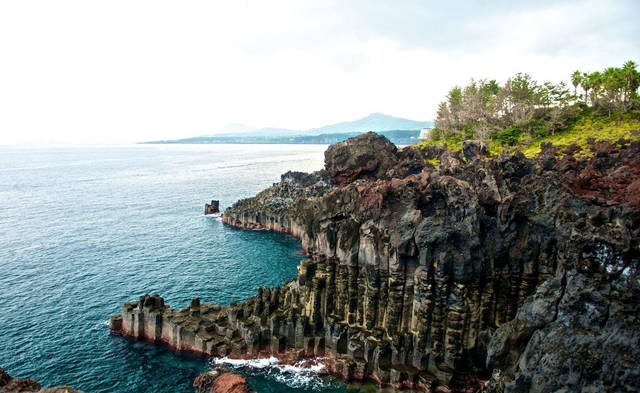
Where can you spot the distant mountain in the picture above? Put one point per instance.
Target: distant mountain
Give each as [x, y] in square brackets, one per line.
[398, 137]
[237, 128]
[373, 122]
[241, 133]
[272, 132]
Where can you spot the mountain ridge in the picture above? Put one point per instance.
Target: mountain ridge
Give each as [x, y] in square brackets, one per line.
[375, 121]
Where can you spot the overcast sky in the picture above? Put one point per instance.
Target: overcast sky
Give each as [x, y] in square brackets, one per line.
[126, 71]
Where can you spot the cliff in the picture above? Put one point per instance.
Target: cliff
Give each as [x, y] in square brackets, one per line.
[504, 273]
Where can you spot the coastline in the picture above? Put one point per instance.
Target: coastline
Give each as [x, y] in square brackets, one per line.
[429, 278]
[158, 324]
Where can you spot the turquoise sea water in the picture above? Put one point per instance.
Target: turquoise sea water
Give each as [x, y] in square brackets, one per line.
[83, 229]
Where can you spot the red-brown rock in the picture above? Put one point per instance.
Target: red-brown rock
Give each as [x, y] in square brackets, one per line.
[9, 384]
[219, 380]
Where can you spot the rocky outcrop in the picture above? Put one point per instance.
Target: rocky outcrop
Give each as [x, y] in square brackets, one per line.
[9, 384]
[503, 274]
[220, 380]
[369, 156]
[212, 208]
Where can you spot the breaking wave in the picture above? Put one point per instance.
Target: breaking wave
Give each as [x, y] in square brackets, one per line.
[304, 374]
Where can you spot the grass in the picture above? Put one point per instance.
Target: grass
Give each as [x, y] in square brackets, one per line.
[603, 128]
[586, 126]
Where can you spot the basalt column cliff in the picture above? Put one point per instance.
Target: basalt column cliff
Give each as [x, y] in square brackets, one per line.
[522, 271]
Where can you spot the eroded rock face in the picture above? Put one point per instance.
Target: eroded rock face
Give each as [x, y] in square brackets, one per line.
[441, 276]
[474, 149]
[9, 384]
[367, 157]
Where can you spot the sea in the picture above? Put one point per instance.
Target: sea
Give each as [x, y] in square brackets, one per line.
[85, 228]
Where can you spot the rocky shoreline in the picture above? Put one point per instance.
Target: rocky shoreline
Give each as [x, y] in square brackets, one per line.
[9, 384]
[493, 274]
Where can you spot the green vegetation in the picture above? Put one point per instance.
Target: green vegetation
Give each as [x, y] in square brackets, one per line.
[433, 161]
[523, 113]
[586, 127]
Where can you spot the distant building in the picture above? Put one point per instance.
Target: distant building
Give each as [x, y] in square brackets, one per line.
[425, 133]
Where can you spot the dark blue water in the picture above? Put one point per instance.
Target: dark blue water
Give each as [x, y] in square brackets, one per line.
[84, 229]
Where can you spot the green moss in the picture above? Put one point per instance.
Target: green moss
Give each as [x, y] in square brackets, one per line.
[598, 128]
[585, 126]
[453, 142]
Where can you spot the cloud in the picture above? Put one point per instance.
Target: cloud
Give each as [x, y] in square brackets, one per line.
[137, 70]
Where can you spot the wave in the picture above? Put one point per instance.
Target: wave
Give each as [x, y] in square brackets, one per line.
[251, 363]
[304, 374]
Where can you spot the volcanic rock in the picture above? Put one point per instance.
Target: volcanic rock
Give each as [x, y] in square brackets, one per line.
[219, 380]
[368, 156]
[504, 273]
[9, 384]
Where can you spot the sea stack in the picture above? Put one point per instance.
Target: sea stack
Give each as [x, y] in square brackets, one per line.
[212, 208]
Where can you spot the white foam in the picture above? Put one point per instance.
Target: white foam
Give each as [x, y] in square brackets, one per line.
[252, 363]
[299, 367]
[298, 375]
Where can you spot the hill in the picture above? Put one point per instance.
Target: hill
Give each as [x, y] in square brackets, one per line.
[373, 122]
[398, 137]
[379, 122]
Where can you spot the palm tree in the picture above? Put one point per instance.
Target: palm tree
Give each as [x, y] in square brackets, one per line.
[586, 85]
[631, 76]
[595, 82]
[576, 79]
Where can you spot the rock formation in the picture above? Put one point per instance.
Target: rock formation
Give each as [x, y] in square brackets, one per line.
[220, 380]
[9, 384]
[212, 208]
[503, 274]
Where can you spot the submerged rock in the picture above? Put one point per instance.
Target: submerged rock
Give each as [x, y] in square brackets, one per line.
[438, 278]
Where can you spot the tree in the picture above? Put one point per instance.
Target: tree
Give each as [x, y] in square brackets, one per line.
[613, 88]
[576, 80]
[632, 79]
[485, 108]
[586, 85]
[595, 84]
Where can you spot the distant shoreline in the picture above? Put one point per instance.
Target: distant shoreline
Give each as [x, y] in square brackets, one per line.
[398, 137]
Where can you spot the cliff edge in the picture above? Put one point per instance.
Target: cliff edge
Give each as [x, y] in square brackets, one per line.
[496, 274]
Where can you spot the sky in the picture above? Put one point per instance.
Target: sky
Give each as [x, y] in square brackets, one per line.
[128, 71]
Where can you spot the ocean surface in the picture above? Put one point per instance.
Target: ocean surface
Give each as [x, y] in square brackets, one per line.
[83, 229]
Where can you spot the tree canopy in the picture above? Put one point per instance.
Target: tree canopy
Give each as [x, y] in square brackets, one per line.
[485, 109]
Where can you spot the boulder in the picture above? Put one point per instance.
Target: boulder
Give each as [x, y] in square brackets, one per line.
[219, 380]
[9, 384]
[367, 156]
